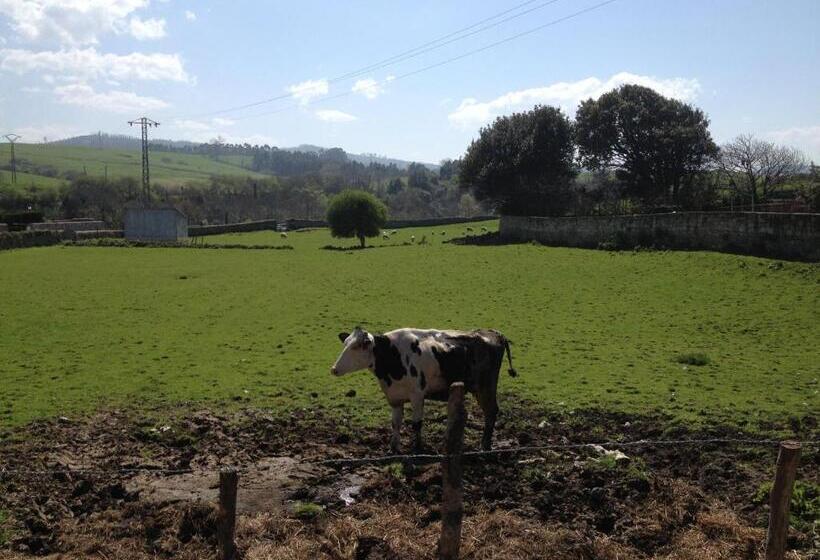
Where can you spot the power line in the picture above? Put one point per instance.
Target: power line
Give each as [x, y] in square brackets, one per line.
[441, 63]
[402, 56]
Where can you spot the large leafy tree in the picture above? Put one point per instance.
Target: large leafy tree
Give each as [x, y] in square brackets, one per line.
[356, 214]
[522, 163]
[655, 145]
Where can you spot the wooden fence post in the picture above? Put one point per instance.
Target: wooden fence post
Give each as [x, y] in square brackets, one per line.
[451, 504]
[226, 514]
[787, 461]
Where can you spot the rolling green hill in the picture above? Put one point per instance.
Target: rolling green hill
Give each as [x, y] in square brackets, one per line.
[47, 165]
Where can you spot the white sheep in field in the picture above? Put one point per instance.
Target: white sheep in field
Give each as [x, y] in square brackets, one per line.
[412, 239]
[283, 235]
[484, 229]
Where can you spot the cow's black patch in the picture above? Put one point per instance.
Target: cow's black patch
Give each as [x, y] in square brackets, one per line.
[413, 371]
[407, 360]
[423, 381]
[454, 364]
[388, 360]
[414, 346]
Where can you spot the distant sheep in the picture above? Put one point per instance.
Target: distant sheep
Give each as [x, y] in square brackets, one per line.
[385, 236]
[283, 235]
[412, 239]
[484, 229]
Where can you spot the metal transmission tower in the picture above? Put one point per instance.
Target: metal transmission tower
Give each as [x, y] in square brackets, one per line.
[12, 138]
[145, 123]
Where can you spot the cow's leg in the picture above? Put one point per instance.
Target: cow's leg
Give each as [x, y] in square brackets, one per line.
[398, 418]
[489, 405]
[418, 416]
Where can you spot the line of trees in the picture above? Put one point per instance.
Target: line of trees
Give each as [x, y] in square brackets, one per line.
[630, 150]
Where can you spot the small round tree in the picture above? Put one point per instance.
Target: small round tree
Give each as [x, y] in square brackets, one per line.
[356, 214]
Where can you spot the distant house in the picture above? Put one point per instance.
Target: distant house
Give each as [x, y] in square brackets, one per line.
[155, 224]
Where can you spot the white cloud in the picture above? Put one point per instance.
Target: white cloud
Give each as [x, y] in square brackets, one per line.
[88, 63]
[190, 125]
[145, 29]
[368, 87]
[50, 131]
[190, 16]
[114, 101]
[567, 95]
[332, 115]
[806, 138]
[221, 121]
[306, 91]
[71, 22]
[31, 89]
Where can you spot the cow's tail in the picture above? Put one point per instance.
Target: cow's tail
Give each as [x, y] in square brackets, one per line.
[511, 371]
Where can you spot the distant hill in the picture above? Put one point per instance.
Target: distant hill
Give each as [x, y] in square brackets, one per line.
[365, 159]
[118, 142]
[106, 141]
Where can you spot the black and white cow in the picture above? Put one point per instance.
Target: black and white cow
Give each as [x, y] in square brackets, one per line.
[417, 364]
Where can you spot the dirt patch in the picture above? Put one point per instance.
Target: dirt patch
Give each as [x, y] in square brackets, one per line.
[100, 487]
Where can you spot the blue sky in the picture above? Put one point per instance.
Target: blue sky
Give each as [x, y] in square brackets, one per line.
[77, 66]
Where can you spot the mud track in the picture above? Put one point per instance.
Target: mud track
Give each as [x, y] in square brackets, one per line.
[663, 502]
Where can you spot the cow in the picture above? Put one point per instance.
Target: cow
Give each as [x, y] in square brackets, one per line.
[412, 365]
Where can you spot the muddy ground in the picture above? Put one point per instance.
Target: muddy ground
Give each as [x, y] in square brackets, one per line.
[116, 486]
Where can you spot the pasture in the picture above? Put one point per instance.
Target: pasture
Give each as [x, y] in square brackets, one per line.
[85, 327]
[167, 168]
[185, 359]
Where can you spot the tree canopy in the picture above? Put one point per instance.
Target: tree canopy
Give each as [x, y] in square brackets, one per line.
[356, 214]
[655, 145]
[523, 163]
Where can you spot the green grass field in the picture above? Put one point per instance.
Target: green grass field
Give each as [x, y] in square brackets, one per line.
[167, 168]
[82, 327]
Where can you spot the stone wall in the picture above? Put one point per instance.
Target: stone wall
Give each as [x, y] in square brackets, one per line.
[67, 225]
[195, 231]
[785, 236]
[42, 238]
[425, 222]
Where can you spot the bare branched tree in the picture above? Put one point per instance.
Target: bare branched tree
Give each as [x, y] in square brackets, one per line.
[754, 167]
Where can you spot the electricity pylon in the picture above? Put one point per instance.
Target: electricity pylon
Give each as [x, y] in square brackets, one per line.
[12, 138]
[145, 123]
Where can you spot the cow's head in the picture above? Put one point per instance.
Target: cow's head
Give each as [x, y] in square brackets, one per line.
[357, 353]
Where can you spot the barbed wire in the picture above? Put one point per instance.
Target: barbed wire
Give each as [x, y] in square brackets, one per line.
[424, 457]
[555, 446]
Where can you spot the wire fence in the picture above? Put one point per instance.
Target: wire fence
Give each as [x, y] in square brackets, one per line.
[421, 457]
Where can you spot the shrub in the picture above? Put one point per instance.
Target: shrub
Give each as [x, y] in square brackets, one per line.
[692, 359]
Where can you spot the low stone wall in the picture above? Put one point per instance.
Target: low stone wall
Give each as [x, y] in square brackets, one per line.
[67, 225]
[785, 236]
[196, 231]
[425, 222]
[43, 238]
[22, 239]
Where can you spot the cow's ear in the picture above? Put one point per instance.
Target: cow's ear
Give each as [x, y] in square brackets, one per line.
[343, 336]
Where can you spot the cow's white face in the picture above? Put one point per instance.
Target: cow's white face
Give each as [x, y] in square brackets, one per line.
[357, 353]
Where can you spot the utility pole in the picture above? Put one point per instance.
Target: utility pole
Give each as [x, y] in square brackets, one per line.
[145, 123]
[12, 138]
